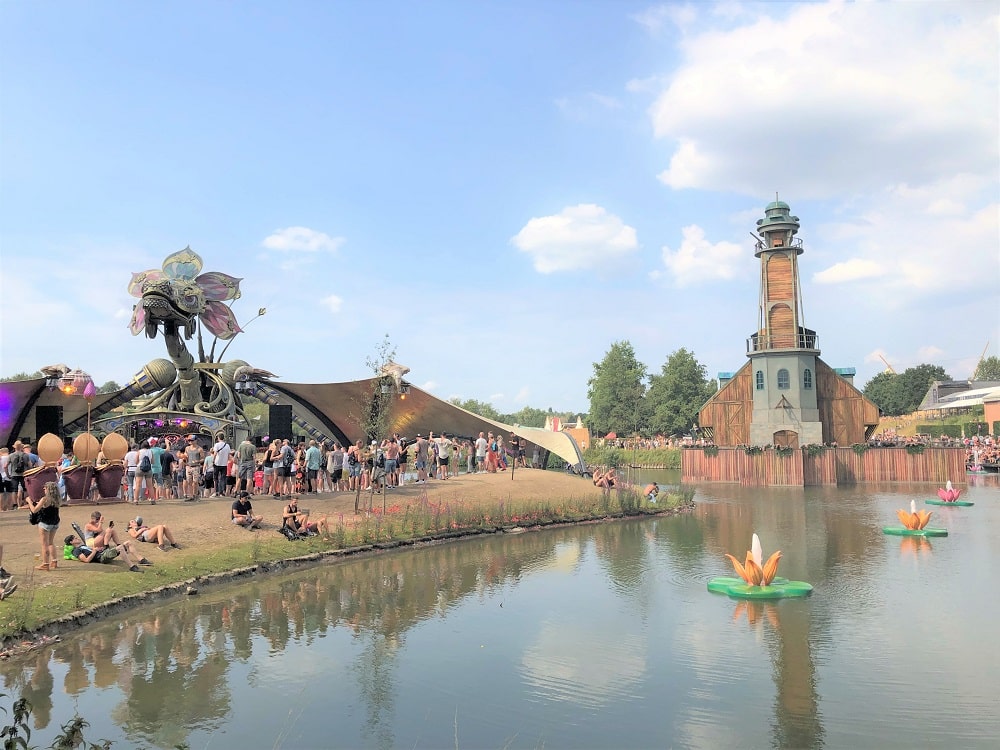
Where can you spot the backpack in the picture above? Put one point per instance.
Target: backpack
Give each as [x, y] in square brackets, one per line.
[352, 459]
[287, 459]
[16, 464]
[289, 533]
[145, 465]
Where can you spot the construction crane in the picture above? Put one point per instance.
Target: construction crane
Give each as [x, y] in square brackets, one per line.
[975, 370]
[888, 367]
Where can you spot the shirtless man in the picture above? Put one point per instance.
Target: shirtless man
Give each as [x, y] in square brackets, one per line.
[298, 520]
[420, 457]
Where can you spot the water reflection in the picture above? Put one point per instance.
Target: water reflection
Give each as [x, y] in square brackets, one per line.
[573, 637]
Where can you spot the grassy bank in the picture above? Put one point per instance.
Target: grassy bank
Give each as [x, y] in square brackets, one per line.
[665, 458]
[40, 606]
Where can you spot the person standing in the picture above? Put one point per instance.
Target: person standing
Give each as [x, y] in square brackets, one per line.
[47, 510]
[168, 464]
[5, 483]
[220, 460]
[195, 457]
[420, 457]
[481, 445]
[391, 451]
[444, 448]
[156, 491]
[246, 457]
[313, 456]
[17, 464]
[144, 474]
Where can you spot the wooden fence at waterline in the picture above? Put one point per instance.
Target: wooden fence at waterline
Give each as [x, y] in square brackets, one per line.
[833, 466]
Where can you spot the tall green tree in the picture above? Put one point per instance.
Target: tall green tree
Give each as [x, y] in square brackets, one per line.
[901, 394]
[482, 408]
[109, 387]
[529, 417]
[677, 393]
[987, 369]
[616, 392]
[21, 376]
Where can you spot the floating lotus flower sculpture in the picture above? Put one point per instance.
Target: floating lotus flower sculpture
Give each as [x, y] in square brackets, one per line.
[752, 571]
[914, 520]
[949, 494]
[757, 579]
[914, 523]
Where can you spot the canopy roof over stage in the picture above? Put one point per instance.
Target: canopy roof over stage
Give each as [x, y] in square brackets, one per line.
[330, 408]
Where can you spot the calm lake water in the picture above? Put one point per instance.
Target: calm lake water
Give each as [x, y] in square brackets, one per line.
[594, 636]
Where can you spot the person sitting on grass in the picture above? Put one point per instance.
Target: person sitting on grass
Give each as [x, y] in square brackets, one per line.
[160, 535]
[243, 512]
[73, 547]
[298, 520]
[97, 536]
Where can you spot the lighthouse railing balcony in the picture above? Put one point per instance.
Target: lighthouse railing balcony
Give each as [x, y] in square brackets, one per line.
[795, 244]
[761, 342]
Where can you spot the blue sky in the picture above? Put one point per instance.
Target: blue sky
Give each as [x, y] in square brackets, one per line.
[504, 188]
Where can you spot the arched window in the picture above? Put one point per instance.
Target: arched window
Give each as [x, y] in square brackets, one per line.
[807, 379]
[760, 380]
[782, 379]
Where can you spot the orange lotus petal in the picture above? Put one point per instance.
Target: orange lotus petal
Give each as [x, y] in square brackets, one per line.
[740, 570]
[924, 516]
[754, 573]
[904, 518]
[770, 568]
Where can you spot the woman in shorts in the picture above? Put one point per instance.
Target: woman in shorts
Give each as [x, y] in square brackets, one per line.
[48, 523]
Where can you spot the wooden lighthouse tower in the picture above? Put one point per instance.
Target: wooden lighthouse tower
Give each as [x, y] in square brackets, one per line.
[783, 352]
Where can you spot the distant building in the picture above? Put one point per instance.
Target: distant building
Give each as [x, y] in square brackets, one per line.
[785, 395]
[948, 395]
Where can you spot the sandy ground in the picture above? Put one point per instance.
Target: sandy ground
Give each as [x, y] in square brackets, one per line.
[206, 522]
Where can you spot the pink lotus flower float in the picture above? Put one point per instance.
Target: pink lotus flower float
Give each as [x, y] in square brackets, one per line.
[758, 579]
[914, 523]
[949, 496]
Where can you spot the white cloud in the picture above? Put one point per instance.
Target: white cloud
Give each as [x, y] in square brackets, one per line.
[579, 237]
[654, 18]
[930, 353]
[302, 239]
[333, 303]
[698, 260]
[494, 397]
[806, 101]
[850, 270]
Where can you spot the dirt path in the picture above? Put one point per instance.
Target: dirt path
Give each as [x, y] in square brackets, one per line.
[204, 524]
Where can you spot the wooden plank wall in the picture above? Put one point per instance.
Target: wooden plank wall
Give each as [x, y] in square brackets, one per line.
[834, 466]
[937, 465]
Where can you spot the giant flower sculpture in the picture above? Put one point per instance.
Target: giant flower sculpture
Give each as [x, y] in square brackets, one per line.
[949, 494]
[914, 520]
[752, 571]
[757, 579]
[178, 293]
[914, 523]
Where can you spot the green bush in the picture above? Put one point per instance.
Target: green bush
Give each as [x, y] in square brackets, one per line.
[936, 430]
[668, 458]
[976, 428]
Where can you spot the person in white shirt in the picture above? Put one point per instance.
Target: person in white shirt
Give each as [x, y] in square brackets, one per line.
[444, 454]
[220, 460]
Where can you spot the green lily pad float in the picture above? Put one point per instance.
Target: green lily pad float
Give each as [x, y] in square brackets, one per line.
[926, 531]
[961, 503]
[780, 588]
